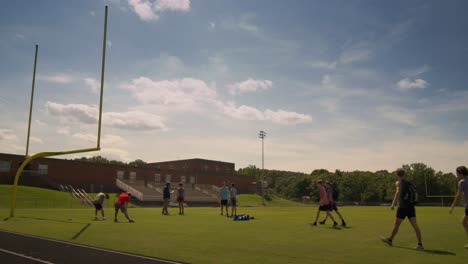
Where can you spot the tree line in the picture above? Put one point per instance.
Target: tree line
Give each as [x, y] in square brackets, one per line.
[356, 186]
[104, 160]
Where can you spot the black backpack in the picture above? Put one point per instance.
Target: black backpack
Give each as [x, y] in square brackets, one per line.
[409, 193]
[335, 193]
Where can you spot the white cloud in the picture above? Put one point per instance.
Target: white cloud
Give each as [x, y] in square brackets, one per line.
[148, 10]
[92, 83]
[179, 94]
[40, 123]
[73, 112]
[218, 64]
[397, 115]
[64, 130]
[36, 140]
[242, 112]
[109, 43]
[408, 84]
[56, 78]
[112, 140]
[132, 120]
[322, 65]
[85, 137]
[286, 117]
[7, 135]
[19, 36]
[281, 117]
[143, 9]
[212, 25]
[189, 95]
[417, 71]
[250, 85]
[172, 5]
[92, 13]
[355, 54]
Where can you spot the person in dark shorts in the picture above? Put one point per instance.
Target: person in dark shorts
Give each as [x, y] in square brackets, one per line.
[334, 207]
[324, 204]
[122, 204]
[233, 193]
[405, 209]
[224, 195]
[462, 174]
[181, 198]
[98, 201]
[167, 198]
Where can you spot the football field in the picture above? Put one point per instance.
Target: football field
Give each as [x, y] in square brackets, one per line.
[277, 235]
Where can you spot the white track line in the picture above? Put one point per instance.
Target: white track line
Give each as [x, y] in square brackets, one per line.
[95, 248]
[24, 256]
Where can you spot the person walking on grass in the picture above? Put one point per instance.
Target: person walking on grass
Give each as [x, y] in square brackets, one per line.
[122, 205]
[98, 201]
[325, 204]
[462, 174]
[224, 195]
[167, 198]
[233, 193]
[406, 196]
[333, 196]
[181, 198]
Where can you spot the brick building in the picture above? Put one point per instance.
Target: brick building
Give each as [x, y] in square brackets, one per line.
[94, 177]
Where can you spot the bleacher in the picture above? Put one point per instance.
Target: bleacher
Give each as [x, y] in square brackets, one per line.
[152, 192]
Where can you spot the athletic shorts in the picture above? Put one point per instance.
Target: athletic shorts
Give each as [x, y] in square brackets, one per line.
[334, 207]
[98, 206]
[466, 211]
[224, 202]
[166, 201]
[326, 207]
[121, 207]
[409, 212]
[233, 202]
[180, 199]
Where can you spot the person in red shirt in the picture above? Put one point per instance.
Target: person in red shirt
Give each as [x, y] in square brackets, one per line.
[121, 204]
[325, 204]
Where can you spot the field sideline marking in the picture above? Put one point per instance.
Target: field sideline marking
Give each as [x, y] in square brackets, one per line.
[90, 247]
[24, 256]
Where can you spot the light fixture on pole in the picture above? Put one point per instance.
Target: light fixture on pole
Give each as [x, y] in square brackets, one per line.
[262, 135]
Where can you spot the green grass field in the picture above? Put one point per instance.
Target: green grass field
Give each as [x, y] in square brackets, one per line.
[279, 234]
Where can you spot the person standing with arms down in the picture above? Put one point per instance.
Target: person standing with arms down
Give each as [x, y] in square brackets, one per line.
[324, 204]
[333, 196]
[462, 174]
[167, 198]
[98, 201]
[224, 195]
[405, 195]
[233, 193]
[181, 198]
[122, 205]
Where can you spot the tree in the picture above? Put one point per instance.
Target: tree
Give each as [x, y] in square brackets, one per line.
[137, 163]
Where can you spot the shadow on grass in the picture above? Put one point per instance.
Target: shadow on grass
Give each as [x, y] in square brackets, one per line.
[430, 251]
[81, 231]
[54, 220]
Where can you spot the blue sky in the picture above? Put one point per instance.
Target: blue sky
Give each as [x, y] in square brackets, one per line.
[350, 85]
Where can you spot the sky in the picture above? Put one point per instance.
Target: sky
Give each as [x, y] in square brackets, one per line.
[349, 85]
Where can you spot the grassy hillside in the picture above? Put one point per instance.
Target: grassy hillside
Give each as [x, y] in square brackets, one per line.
[32, 197]
[256, 200]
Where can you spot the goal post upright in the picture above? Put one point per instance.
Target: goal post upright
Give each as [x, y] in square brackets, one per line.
[103, 63]
[58, 153]
[31, 100]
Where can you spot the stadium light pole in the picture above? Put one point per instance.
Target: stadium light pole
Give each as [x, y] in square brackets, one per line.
[262, 135]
